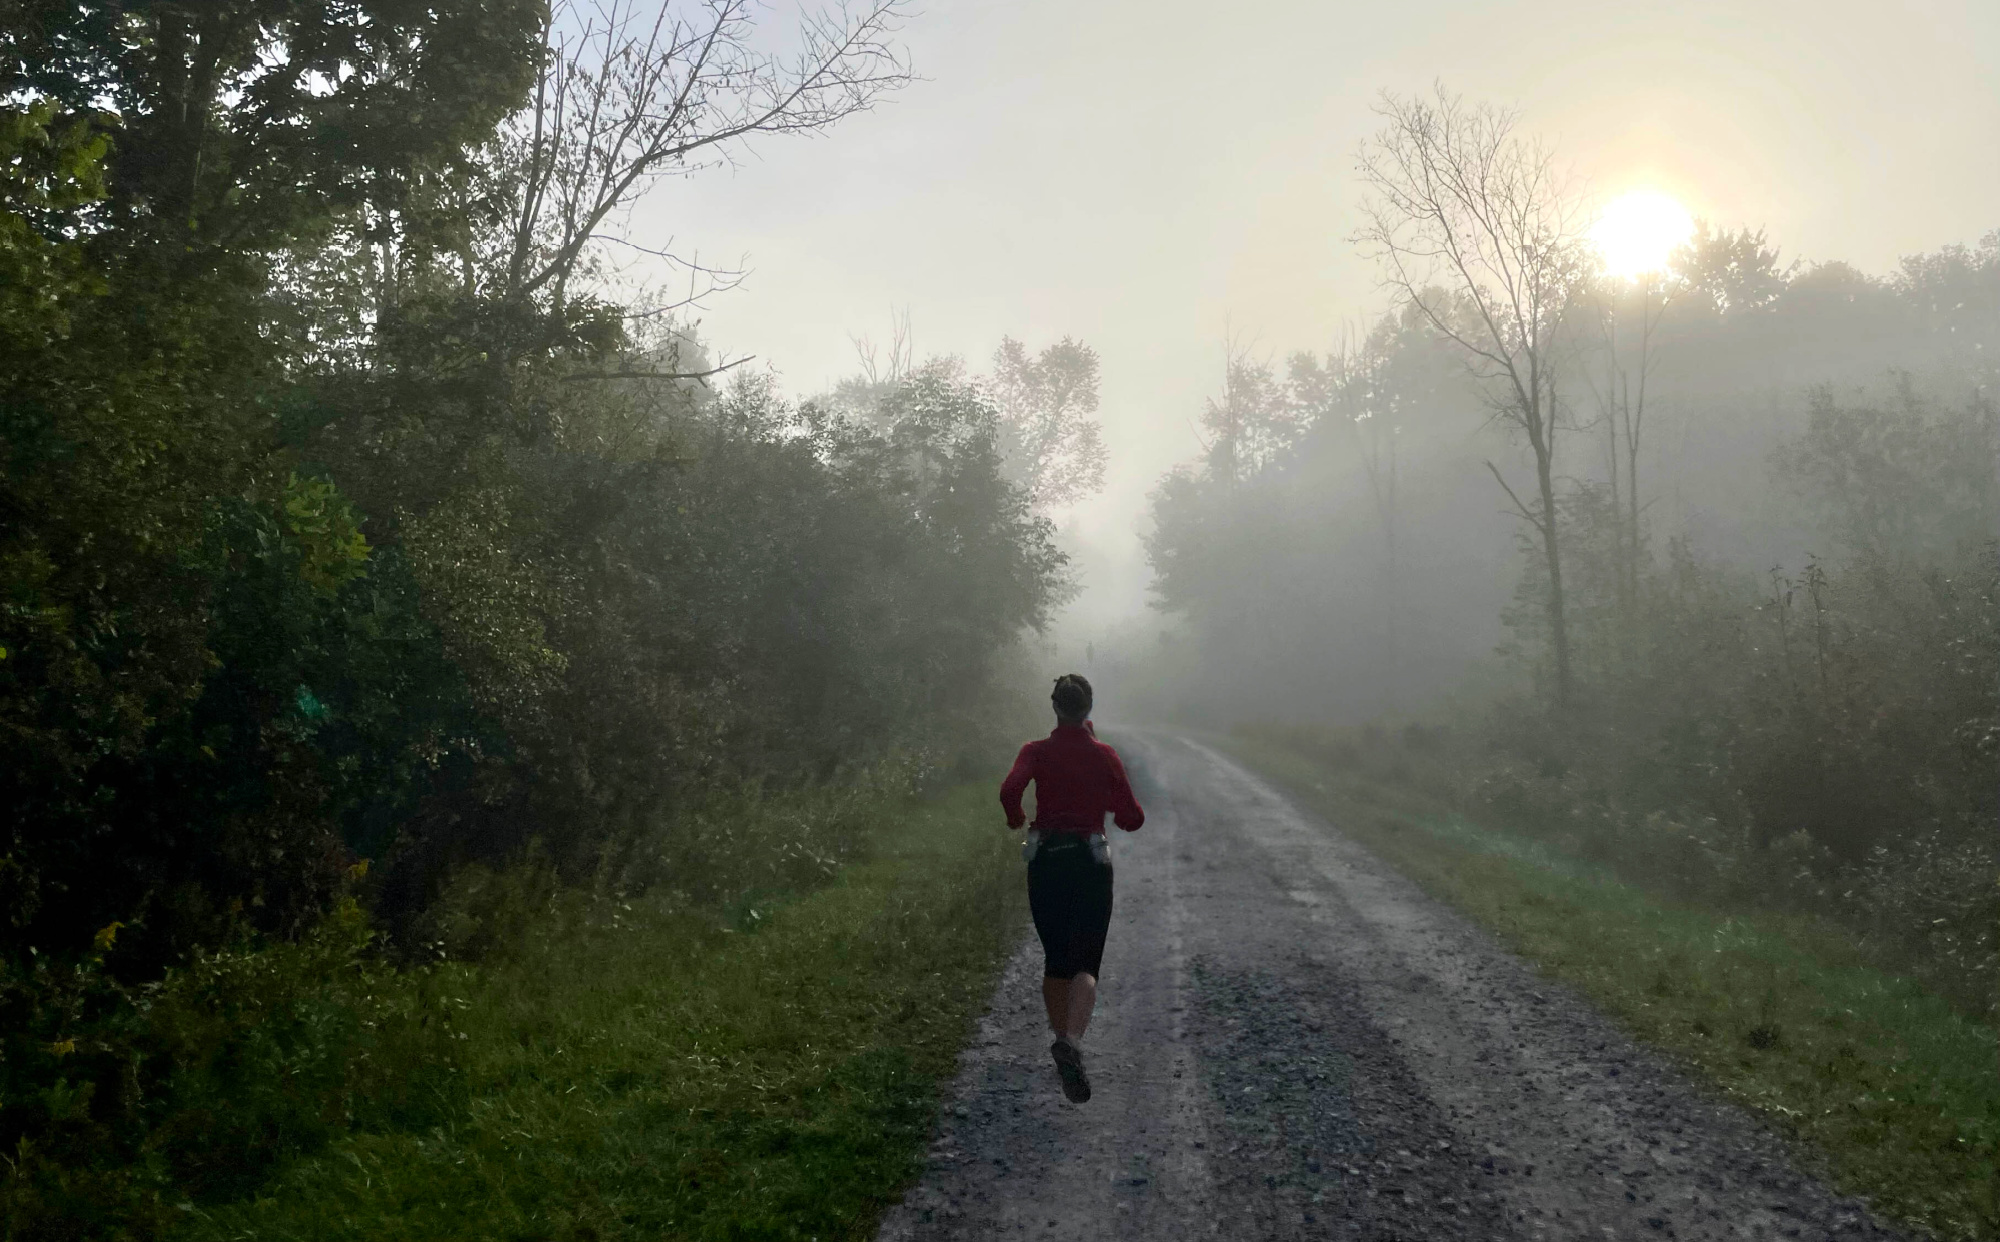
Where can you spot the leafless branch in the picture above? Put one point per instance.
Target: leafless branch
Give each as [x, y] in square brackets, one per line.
[902, 351]
[1527, 514]
[632, 92]
[1459, 200]
[643, 373]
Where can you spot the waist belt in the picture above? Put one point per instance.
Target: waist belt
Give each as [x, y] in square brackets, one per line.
[1039, 843]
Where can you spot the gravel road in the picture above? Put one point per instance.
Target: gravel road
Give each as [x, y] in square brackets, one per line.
[1294, 1042]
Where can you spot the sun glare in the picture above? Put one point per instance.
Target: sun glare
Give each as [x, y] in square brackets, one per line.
[1638, 230]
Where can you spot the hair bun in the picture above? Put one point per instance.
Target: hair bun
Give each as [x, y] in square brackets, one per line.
[1072, 695]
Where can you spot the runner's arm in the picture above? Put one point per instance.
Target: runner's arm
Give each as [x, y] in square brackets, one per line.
[1016, 784]
[1125, 809]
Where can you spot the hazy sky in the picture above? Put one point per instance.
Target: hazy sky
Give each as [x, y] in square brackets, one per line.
[1148, 176]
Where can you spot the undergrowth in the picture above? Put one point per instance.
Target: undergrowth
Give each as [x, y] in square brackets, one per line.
[760, 1059]
[1894, 1085]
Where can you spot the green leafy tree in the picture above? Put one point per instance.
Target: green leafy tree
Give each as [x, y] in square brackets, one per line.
[165, 155]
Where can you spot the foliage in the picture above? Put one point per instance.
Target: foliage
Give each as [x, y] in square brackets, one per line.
[1051, 444]
[121, 1108]
[357, 520]
[1818, 737]
[742, 1030]
[244, 124]
[348, 515]
[1899, 481]
[644, 1068]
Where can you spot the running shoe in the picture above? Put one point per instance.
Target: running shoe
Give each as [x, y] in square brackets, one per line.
[1069, 1065]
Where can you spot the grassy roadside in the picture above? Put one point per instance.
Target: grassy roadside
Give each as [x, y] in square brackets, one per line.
[1900, 1092]
[658, 1075]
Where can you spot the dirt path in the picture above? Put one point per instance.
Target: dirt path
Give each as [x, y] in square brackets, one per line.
[1294, 1042]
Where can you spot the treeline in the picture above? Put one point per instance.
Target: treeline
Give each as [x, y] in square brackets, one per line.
[1752, 508]
[362, 520]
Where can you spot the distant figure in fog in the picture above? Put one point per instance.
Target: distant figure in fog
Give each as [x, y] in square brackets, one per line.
[1078, 781]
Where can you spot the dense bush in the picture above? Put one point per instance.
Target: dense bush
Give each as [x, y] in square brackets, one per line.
[1825, 742]
[121, 1105]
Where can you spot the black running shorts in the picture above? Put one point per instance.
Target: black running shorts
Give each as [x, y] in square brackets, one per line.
[1069, 894]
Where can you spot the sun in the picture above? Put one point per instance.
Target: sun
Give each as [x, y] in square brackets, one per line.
[1638, 230]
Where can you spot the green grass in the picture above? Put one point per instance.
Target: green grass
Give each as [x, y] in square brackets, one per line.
[658, 1075]
[1898, 1092]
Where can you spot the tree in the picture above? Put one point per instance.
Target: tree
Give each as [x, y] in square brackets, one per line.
[1251, 425]
[1461, 203]
[1907, 480]
[628, 96]
[1051, 443]
[241, 122]
[1352, 390]
[1732, 272]
[317, 415]
[172, 580]
[489, 319]
[1628, 317]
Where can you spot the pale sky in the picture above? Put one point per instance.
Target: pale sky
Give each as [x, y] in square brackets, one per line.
[1148, 176]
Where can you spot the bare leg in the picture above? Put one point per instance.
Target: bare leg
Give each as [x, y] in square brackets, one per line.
[1055, 998]
[1082, 1001]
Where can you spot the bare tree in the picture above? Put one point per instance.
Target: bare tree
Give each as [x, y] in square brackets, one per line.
[878, 370]
[633, 92]
[1479, 230]
[629, 92]
[1370, 408]
[1630, 359]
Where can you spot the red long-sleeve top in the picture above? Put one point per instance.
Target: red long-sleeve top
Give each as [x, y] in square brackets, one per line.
[1078, 780]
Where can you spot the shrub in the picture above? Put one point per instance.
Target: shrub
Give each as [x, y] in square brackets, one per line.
[119, 1104]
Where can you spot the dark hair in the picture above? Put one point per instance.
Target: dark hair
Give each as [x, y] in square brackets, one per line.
[1071, 696]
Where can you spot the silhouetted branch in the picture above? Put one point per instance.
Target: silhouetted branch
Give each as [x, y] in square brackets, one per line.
[635, 373]
[1518, 506]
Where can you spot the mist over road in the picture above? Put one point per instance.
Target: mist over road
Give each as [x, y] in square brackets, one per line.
[1293, 1041]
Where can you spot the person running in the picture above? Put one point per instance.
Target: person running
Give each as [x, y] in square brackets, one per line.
[1077, 779]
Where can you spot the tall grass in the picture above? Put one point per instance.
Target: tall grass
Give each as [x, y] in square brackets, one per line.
[759, 1059]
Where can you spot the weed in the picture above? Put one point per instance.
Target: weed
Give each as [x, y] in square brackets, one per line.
[617, 1065]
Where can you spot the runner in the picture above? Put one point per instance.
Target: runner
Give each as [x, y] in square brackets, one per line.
[1078, 779]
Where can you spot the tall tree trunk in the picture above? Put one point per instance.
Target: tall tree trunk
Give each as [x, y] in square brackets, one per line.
[1632, 496]
[1558, 626]
[1619, 550]
[1542, 439]
[1635, 418]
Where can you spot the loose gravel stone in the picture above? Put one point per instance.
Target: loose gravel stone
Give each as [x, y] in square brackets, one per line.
[1294, 1042]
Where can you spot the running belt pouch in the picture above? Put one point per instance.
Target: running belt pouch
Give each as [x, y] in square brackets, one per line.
[1100, 849]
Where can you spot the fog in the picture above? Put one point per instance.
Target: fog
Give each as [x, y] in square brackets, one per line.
[530, 529]
[1160, 180]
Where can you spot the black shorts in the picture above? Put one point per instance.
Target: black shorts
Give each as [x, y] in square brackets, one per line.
[1069, 893]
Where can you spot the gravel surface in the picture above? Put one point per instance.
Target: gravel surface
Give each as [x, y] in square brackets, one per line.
[1292, 1041]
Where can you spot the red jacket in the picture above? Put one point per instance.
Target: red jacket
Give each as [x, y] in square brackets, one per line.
[1077, 780]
